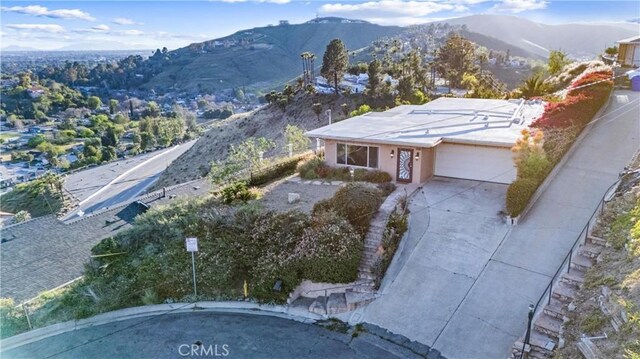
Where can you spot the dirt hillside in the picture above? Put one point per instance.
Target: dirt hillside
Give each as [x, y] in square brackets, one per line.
[269, 122]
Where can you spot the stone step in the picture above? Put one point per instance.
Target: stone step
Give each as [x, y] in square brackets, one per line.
[540, 346]
[556, 309]
[590, 250]
[337, 303]
[564, 292]
[574, 277]
[581, 263]
[597, 241]
[548, 326]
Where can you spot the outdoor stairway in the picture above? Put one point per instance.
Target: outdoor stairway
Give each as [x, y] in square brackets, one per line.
[363, 291]
[547, 327]
[373, 239]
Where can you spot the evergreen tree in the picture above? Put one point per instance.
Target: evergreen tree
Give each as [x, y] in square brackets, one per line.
[335, 62]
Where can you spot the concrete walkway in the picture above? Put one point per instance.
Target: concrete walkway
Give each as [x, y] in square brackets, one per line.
[491, 314]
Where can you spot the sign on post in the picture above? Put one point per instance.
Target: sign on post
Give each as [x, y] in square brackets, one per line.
[192, 244]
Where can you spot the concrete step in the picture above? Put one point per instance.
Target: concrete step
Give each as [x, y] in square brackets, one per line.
[564, 292]
[574, 277]
[581, 263]
[597, 241]
[355, 300]
[319, 305]
[556, 309]
[548, 326]
[336, 303]
[590, 250]
[366, 276]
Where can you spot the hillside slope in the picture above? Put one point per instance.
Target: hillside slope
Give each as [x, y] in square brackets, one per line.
[584, 40]
[262, 57]
[269, 122]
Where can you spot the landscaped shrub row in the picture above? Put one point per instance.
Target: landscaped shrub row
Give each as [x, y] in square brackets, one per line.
[317, 168]
[277, 170]
[561, 122]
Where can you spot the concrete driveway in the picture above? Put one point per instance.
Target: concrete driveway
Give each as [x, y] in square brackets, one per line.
[435, 294]
[454, 229]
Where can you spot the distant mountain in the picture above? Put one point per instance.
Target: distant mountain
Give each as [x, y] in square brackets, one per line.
[578, 40]
[261, 57]
[19, 48]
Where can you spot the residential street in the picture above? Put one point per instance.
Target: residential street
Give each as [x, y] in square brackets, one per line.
[228, 335]
[122, 181]
[474, 304]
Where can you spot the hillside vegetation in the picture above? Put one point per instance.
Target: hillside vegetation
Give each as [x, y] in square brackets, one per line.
[262, 57]
[268, 122]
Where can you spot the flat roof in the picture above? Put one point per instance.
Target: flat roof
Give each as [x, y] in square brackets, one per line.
[453, 120]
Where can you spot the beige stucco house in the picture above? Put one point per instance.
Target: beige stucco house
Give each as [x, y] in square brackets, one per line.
[448, 137]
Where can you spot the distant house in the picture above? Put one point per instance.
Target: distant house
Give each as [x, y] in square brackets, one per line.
[448, 137]
[35, 92]
[284, 22]
[629, 52]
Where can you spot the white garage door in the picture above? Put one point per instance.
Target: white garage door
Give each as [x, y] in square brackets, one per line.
[491, 164]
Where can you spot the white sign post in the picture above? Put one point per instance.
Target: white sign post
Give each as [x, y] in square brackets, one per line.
[192, 246]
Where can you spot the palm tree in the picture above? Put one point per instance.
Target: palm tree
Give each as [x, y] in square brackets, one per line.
[533, 86]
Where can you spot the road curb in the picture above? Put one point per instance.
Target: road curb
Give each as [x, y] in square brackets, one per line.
[156, 310]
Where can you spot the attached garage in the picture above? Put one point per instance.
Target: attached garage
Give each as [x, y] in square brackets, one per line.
[482, 163]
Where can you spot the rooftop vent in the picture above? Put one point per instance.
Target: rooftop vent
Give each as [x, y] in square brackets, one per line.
[485, 118]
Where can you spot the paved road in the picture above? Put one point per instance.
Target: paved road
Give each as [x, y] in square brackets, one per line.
[489, 310]
[221, 335]
[119, 182]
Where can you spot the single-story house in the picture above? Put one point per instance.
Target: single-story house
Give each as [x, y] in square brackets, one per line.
[629, 51]
[449, 137]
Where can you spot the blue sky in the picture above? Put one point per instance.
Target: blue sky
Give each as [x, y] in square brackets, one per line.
[152, 24]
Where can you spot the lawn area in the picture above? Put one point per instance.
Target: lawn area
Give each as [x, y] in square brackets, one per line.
[8, 135]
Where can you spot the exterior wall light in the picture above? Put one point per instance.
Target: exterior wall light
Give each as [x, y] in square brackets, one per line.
[392, 152]
[417, 156]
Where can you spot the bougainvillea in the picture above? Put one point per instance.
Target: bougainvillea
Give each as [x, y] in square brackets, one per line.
[586, 95]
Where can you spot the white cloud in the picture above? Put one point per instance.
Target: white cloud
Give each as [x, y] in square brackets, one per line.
[53, 28]
[129, 32]
[101, 27]
[41, 11]
[516, 6]
[390, 8]
[125, 21]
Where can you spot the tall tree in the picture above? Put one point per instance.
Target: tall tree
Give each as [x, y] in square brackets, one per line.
[557, 60]
[455, 58]
[335, 62]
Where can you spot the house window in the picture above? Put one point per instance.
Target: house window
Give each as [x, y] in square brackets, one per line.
[357, 155]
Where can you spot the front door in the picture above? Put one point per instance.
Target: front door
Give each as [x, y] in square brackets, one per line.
[405, 165]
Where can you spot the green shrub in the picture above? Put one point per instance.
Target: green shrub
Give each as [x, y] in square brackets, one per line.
[236, 192]
[331, 249]
[277, 170]
[593, 323]
[377, 176]
[356, 202]
[387, 188]
[518, 195]
[308, 168]
[12, 319]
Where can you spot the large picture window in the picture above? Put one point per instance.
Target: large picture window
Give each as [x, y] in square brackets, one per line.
[357, 155]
